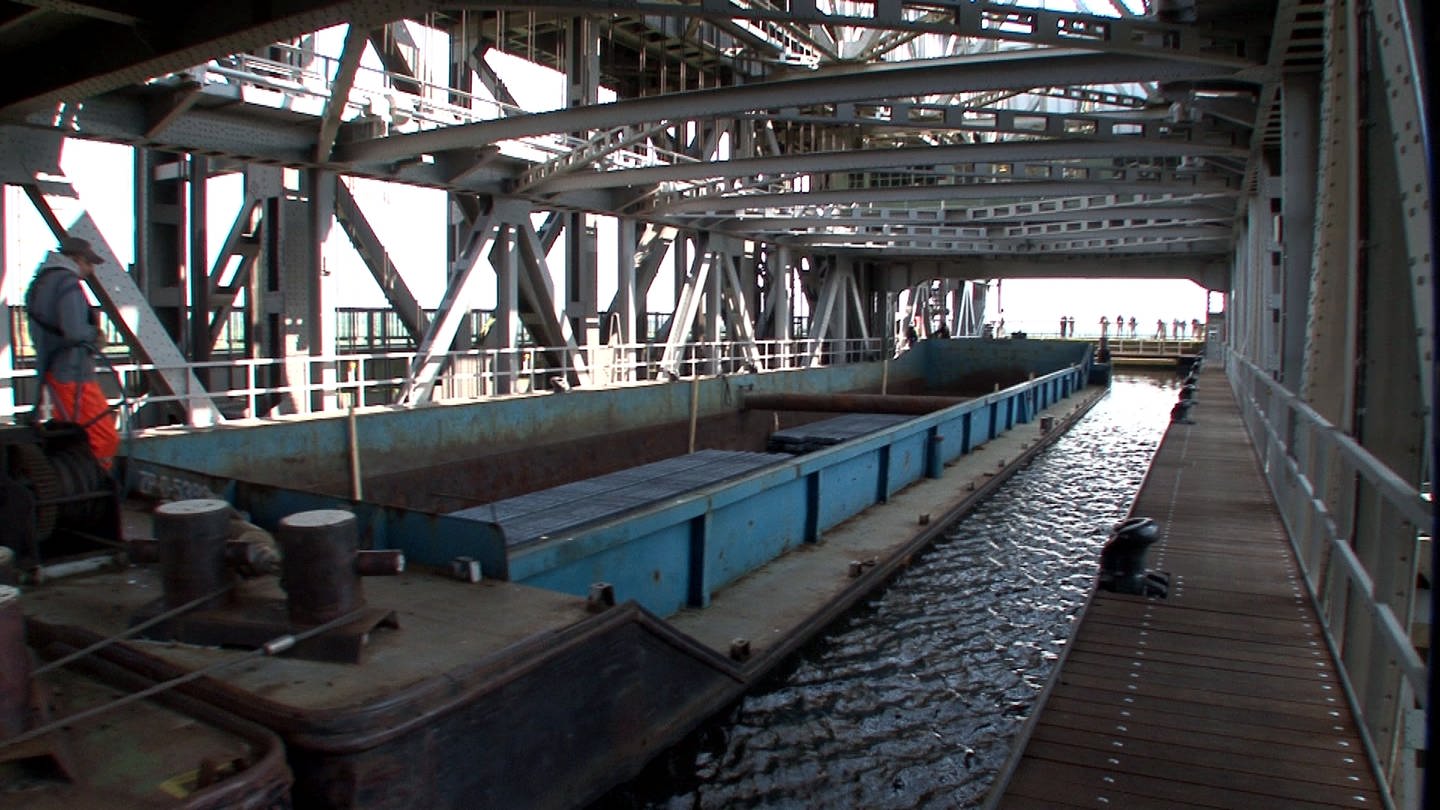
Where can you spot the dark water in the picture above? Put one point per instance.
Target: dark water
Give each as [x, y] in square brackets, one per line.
[912, 700]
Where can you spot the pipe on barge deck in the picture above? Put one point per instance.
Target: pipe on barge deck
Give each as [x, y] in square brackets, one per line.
[850, 403]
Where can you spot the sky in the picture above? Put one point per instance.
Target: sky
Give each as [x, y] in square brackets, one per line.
[103, 175]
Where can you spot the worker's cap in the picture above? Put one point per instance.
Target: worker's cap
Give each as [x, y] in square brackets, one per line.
[79, 248]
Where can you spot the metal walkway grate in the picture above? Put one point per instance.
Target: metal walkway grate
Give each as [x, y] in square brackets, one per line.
[550, 512]
[827, 432]
[1223, 695]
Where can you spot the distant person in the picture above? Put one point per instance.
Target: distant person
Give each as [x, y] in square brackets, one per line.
[911, 336]
[1175, 329]
[64, 332]
[1196, 331]
[1132, 326]
[1070, 324]
[1160, 328]
[944, 331]
[1062, 326]
[1104, 326]
[1119, 326]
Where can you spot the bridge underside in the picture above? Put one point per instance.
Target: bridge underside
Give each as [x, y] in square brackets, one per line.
[831, 171]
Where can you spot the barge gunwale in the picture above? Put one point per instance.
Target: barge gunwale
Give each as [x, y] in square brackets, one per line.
[885, 570]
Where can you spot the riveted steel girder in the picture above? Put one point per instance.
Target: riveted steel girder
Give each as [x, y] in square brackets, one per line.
[886, 80]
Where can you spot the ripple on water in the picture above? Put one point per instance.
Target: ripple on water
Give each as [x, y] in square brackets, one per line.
[912, 699]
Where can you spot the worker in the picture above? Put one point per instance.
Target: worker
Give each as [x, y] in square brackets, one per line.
[63, 330]
[1132, 326]
[1104, 326]
[1160, 328]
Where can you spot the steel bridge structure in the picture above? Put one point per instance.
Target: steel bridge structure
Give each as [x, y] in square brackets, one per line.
[869, 164]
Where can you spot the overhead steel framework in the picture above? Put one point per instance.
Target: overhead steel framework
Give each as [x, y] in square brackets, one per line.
[865, 165]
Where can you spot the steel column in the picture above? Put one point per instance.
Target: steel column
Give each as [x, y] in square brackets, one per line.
[1299, 160]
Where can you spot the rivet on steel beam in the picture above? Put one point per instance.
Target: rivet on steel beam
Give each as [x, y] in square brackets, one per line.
[465, 569]
[740, 649]
[856, 568]
[602, 596]
[924, 519]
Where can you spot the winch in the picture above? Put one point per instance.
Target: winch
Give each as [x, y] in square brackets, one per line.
[55, 500]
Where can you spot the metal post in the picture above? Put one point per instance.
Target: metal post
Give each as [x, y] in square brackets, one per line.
[319, 549]
[191, 535]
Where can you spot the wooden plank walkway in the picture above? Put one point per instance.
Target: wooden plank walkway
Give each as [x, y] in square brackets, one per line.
[1224, 694]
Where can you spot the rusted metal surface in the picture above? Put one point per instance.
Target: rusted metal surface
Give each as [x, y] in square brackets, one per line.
[318, 569]
[191, 535]
[582, 706]
[14, 665]
[321, 571]
[850, 403]
[1221, 695]
[166, 752]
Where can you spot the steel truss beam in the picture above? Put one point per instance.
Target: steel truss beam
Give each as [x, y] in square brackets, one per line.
[943, 161]
[240, 243]
[1399, 39]
[377, 259]
[972, 119]
[962, 18]
[771, 204]
[431, 356]
[888, 80]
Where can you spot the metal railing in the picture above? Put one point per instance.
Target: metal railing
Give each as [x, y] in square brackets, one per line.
[1358, 530]
[265, 387]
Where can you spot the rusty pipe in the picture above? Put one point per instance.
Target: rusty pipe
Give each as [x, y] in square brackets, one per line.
[379, 563]
[850, 403]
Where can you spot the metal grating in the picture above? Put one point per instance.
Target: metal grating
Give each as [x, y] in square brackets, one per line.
[827, 432]
[555, 511]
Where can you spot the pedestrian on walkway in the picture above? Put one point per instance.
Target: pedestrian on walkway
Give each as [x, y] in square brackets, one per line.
[1160, 328]
[64, 332]
[1132, 326]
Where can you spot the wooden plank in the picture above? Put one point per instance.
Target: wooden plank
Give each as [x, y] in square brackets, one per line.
[1248, 760]
[1223, 695]
[1080, 786]
[1237, 739]
[1298, 723]
[1184, 779]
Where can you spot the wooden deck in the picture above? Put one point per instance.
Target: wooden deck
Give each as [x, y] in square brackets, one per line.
[1223, 695]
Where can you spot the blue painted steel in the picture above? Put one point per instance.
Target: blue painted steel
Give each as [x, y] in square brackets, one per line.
[747, 534]
[934, 454]
[654, 570]
[664, 555]
[315, 449]
[907, 462]
[718, 533]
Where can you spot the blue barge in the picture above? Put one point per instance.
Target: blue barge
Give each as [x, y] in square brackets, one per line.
[528, 688]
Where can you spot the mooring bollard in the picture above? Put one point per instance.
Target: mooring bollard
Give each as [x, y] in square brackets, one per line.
[190, 537]
[1122, 560]
[318, 570]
